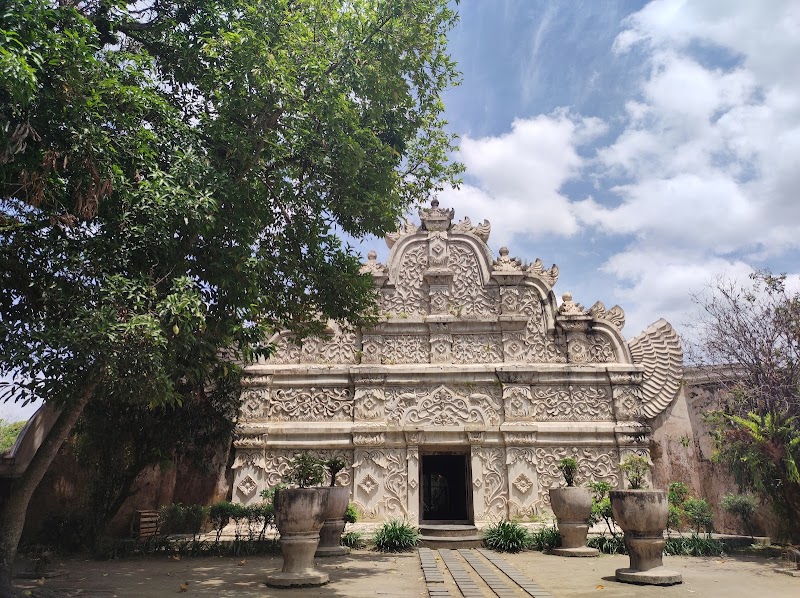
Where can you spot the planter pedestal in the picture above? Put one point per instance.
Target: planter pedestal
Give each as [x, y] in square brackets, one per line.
[642, 515]
[572, 507]
[331, 533]
[299, 514]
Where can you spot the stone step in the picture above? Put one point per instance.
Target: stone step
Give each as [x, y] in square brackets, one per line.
[451, 542]
[447, 530]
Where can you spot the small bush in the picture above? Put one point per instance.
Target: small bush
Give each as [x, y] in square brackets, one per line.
[568, 467]
[351, 514]
[694, 545]
[220, 515]
[396, 536]
[677, 493]
[8, 433]
[608, 544]
[635, 468]
[194, 517]
[172, 519]
[545, 538]
[305, 470]
[699, 514]
[741, 505]
[674, 518]
[353, 540]
[506, 536]
[601, 505]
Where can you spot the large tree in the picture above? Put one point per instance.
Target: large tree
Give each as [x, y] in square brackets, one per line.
[748, 338]
[174, 178]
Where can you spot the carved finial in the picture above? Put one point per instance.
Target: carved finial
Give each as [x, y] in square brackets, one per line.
[568, 307]
[615, 315]
[505, 263]
[373, 266]
[436, 218]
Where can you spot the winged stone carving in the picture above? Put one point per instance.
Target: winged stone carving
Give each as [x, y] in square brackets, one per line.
[659, 350]
[480, 230]
[548, 276]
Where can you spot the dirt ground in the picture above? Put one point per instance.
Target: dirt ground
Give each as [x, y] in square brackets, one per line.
[366, 573]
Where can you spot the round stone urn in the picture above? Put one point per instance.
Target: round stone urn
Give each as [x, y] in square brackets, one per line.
[299, 515]
[331, 533]
[642, 515]
[572, 507]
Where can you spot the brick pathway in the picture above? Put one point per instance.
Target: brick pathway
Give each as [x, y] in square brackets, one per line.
[474, 573]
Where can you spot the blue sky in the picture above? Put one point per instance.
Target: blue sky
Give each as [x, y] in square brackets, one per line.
[644, 147]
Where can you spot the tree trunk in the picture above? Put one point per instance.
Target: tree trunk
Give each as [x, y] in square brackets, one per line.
[12, 517]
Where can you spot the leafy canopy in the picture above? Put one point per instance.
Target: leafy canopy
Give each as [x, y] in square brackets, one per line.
[174, 177]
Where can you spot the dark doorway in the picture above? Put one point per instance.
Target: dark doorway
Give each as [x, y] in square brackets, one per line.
[445, 485]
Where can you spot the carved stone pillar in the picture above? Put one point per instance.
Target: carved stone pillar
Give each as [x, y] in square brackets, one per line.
[412, 507]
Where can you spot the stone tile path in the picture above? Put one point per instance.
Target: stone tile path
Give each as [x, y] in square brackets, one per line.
[474, 573]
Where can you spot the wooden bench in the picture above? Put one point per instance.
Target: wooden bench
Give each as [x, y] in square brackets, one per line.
[145, 524]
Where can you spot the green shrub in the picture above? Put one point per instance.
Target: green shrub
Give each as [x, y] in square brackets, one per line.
[353, 540]
[741, 505]
[601, 505]
[568, 467]
[351, 514]
[699, 514]
[608, 544]
[506, 536]
[268, 494]
[545, 538]
[172, 519]
[674, 517]
[9, 433]
[677, 493]
[694, 545]
[220, 515]
[305, 470]
[396, 536]
[194, 518]
[635, 468]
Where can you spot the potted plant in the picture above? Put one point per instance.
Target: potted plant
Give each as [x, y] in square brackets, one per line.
[299, 515]
[642, 515]
[572, 507]
[330, 535]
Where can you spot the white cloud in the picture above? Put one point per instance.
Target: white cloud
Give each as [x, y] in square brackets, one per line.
[701, 179]
[520, 175]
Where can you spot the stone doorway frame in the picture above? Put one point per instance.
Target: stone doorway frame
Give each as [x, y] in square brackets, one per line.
[465, 454]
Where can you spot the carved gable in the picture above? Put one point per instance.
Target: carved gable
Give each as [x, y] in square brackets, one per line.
[472, 354]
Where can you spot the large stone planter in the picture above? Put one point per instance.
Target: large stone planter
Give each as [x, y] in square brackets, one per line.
[299, 515]
[572, 507]
[331, 533]
[642, 515]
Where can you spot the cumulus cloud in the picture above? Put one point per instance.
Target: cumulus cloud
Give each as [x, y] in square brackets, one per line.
[524, 168]
[701, 176]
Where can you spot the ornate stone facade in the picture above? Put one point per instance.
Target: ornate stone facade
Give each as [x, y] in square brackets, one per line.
[472, 356]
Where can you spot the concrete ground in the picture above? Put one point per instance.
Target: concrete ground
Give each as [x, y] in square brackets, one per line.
[366, 573]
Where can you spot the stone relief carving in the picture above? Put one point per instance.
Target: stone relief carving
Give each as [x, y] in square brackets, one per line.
[495, 487]
[659, 350]
[469, 294]
[573, 403]
[369, 404]
[410, 295]
[310, 404]
[627, 402]
[442, 406]
[594, 465]
[381, 486]
[477, 348]
[285, 352]
[405, 348]
[441, 348]
[253, 403]
[371, 348]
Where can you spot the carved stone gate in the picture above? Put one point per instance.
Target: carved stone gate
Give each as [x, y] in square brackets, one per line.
[471, 353]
